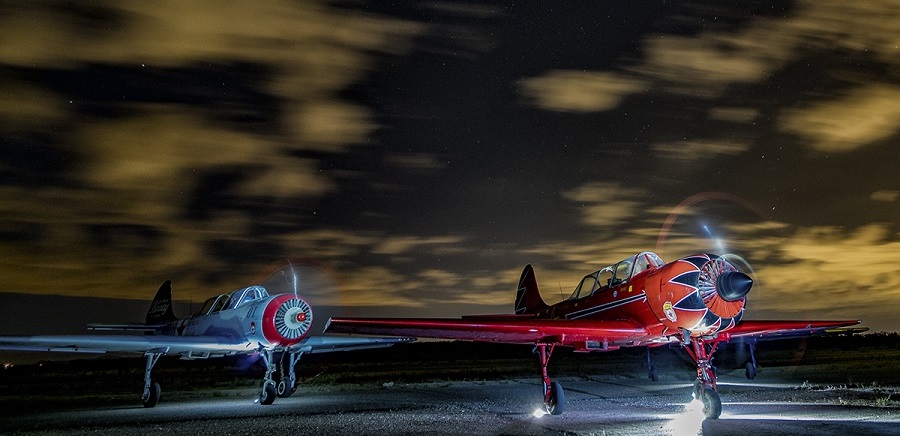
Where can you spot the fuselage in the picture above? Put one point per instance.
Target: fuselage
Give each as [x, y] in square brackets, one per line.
[668, 299]
[248, 314]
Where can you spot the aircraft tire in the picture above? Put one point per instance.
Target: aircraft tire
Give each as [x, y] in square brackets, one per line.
[153, 399]
[268, 394]
[712, 404]
[282, 389]
[750, 371]
[654, 376]
[557, 399]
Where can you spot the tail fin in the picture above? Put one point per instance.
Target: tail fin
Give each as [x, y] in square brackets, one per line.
[528, 297]
[161, 307]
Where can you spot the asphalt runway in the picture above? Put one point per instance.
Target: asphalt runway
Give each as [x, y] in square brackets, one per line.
[598, 405]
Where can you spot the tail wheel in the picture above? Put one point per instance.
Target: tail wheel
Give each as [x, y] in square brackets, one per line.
[712, 404]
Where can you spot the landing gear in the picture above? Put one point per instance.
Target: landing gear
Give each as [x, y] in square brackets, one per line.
[152, 396]
[286, 377]
[554, 396]
[267, 396]
[268, 393]
[151, 388]
[712, 404]
[287, 383]
[701, 351]
[557, 399]
[750, 367]
[651, 368]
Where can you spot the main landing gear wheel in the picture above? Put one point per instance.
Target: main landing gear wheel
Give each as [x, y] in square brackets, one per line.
[652, 374]
[150, 397]
[268, 394]
[750, 371]
[712, 404]
[701, 352]
[555, 404]
[153, 398]
[283, 389]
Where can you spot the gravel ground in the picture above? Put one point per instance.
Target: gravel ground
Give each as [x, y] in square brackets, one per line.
[598, 405]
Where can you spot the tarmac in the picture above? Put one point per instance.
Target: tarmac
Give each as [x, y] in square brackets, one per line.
[595, 405]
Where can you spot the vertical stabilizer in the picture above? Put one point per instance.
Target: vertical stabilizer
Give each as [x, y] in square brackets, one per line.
[161, 307]
[528, 297]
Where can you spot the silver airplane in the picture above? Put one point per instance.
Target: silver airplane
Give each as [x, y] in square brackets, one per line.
[246, 321]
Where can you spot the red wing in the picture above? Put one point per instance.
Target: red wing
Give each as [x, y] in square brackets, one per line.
[496, 329]
[785, 328]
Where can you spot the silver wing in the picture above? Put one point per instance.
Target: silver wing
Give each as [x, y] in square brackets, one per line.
[187, 346]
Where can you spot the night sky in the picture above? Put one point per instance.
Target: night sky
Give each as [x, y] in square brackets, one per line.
[411, 157]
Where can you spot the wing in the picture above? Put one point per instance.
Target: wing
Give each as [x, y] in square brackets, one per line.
[326, 344]
[185, 345]
[511, 329]
[784, 329]
[188, 346]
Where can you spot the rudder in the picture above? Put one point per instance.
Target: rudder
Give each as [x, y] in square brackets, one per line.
[528, 296]
[161, 307]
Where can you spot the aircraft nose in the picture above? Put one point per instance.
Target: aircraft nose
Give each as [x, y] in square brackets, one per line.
[733, 285]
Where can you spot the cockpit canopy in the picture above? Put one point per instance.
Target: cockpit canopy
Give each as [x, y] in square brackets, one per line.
[616, 274]
[233, 300]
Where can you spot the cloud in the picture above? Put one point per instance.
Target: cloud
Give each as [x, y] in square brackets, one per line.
[744, 115]
[415, 161]
[397, 245]
[579, 91]
[605, 204]
[698, 150]
[707, 64]
[825, 268]
[886, 196]
[866, 115]
[133, 166]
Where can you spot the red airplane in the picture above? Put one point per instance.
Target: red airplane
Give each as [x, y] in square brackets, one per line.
[696, 301]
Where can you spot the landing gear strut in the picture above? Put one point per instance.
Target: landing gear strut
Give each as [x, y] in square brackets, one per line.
[287, 382]
[151, 388]
[651, 368]
[701, 351]
[554, 396]
[268, 393]
[750, 367]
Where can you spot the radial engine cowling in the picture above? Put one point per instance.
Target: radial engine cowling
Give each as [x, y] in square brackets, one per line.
[703, 294]
[286, 320]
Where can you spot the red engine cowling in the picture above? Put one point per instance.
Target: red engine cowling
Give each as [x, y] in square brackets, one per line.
[286, 320]
[703, 294]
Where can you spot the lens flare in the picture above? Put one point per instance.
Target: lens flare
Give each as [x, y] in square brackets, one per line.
[688, 422]
[686, 204]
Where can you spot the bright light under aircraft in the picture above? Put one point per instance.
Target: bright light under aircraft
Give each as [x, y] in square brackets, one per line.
[688, 422]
